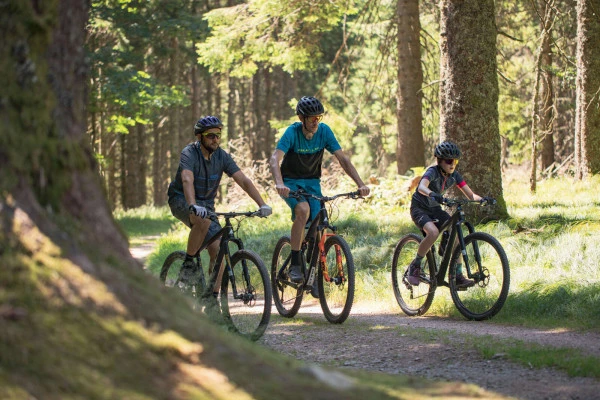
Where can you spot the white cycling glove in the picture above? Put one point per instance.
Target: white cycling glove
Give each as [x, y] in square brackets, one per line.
[265, 211]
[198, 210]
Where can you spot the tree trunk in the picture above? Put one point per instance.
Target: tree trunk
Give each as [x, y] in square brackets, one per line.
[410, 150]
[469, 96]
[232, 95]
[548, 111]
[587, 123]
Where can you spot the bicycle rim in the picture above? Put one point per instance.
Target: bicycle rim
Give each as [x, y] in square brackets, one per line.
[336, 287]
[246, 295]
[413, 300]
[169, 274]
[287, 299]
[492, 276]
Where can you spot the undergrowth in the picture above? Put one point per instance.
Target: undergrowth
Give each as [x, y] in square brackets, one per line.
[550, 238]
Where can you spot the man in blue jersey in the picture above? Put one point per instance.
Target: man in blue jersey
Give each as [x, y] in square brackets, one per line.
[192, 193]
[296, 163]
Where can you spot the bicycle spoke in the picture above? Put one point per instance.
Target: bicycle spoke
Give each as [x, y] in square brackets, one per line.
[413, 300]
[491, 273]
[246, 295]
[286, 295]
[336, 280]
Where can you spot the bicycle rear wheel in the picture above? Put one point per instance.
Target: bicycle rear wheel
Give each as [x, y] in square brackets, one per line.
[287, 299]
[490, 269]
[246, 295]
[169, 274]
[336, 280]
[413, 300]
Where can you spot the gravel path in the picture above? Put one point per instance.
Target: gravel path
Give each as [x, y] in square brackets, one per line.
[379, 340]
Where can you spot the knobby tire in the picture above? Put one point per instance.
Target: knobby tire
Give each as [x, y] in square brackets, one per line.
[249, 315]
[287, 299]
[413, 300]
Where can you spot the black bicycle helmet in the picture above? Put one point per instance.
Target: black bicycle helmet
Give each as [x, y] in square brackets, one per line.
[447, 150]
[308, 106]
[206, 123]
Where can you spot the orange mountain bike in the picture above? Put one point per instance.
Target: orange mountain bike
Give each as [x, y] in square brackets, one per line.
[330, 267]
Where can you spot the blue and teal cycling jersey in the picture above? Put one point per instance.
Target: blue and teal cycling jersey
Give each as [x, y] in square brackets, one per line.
[303, 157]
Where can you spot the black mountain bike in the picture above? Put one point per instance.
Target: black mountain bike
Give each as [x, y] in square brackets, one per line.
[245, 295]
[330, 267]
[483, 260]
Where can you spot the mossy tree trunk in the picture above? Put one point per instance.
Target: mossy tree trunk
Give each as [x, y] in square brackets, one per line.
[410, 149]
[587, 123]
[469, 95]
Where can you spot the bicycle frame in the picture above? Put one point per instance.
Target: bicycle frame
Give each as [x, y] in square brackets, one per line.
[318, 232]
[226, 235]
[456, 231]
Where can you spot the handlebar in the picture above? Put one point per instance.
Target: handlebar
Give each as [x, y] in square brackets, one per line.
[234, 214]
[302, 193]
[486, 201]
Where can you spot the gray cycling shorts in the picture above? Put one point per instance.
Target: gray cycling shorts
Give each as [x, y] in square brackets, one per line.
[180, 210]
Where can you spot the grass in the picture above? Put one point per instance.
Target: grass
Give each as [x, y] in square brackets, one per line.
[550, 239]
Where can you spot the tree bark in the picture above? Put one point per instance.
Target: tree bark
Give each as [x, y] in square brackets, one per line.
[469, 96]
[410, 150]
[587, 121]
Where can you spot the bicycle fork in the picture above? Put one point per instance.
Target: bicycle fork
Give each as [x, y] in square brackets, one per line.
[339, 278]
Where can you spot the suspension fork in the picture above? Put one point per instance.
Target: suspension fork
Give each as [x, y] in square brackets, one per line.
[479, 270]
[338, 258]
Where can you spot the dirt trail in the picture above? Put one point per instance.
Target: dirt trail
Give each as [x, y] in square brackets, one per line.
[379, 340]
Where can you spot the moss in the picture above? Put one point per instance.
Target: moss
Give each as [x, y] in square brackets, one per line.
[30, 141]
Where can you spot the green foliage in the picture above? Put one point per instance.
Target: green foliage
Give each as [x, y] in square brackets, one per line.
[121, 34]
[271, 32]
[550, 241]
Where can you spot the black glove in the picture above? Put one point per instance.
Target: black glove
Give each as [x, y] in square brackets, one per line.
[198, 210]
[488, 200]
[437, 197]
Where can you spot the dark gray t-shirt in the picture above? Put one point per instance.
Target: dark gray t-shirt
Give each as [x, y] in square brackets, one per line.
[207, 173]
[438, 183]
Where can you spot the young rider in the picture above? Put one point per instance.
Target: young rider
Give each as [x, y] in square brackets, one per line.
[425, 206]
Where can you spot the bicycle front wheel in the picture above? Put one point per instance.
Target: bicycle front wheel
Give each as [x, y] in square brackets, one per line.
[488, 267]
[336, 280]
[413, 300]
[246, 295]
[286, 297]
[169, 274]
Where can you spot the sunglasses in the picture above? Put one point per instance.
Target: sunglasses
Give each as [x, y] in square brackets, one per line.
[450, 161]
[313, 118]
[212, 135]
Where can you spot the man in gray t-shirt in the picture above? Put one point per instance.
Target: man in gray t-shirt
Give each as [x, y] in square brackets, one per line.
[192, 193]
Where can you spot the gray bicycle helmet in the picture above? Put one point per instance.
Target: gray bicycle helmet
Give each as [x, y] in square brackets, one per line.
[447, 150]
[308, 106]
[206, 123]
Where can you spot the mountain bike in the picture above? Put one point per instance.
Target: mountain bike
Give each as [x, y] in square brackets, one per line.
[483, 260]
[244, 300]
[330, 266]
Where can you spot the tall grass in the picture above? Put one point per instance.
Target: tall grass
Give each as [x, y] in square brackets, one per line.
[551, 240]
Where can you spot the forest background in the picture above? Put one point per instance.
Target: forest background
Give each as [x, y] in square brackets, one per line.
[383, 69]
[68, 280]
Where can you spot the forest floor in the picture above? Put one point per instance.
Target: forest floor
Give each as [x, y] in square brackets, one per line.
[376, 337]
